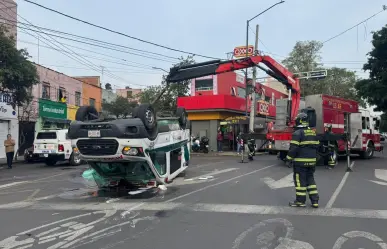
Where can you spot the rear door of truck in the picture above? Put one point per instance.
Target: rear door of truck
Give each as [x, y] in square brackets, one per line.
[46, 142]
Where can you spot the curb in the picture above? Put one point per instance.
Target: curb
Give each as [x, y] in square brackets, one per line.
[221, 154]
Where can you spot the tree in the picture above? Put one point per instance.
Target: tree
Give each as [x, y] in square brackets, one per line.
[339, 81]
[17, 74]
[374, 89]
[120, 108]
[304, 57]
[27, 115]
[108, 86]
[168, 100]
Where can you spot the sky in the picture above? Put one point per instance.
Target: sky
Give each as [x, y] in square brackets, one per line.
[210, 28]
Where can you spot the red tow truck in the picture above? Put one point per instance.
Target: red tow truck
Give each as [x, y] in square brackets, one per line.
[337, 121]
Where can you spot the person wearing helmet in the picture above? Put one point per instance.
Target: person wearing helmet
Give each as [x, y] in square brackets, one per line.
[303, 155]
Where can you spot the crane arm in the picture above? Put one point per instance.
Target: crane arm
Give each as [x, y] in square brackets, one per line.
[275, 70]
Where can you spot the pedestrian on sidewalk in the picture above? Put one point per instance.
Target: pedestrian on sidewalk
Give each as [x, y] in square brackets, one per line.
[9, 145]
[219, 139]
[239, 139]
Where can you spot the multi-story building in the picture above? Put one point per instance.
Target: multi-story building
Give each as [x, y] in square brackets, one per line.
[92, 91]
[129, 93]
[220, 101]
[55, 101]
[8, 16]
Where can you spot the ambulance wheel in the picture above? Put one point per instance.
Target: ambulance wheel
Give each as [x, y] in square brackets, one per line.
[182, 115]
[86, 113]
[147, 114]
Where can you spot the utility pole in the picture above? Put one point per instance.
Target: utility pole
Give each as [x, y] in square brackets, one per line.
[253, 83]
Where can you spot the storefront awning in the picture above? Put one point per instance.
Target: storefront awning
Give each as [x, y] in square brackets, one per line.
[57, 120]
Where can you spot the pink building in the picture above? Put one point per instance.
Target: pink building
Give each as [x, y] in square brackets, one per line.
[129, 93]
[8, 16]
[53, 85]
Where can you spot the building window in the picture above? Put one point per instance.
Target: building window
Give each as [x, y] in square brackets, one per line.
[204, 85]
[77, 98]
[92, 102]
[241, 92]
[46, 91]
[129, 94]
[62, 95]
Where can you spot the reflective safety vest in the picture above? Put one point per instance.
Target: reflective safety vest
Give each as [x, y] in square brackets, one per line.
[303, 147]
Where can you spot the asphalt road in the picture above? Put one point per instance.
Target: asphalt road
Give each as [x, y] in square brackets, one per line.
[221, 203]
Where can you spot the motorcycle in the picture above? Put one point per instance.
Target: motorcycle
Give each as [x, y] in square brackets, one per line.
[202, 145]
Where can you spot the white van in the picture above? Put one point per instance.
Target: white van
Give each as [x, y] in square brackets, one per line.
[142, 151]
[55, 146]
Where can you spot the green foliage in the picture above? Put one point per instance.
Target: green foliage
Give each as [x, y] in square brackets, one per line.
[374, 89]
[17, 74]
[120, 108]
[339, 81]
[304, 56]
[168, 101]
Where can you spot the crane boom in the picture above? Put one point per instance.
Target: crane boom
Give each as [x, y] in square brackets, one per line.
[276, 70]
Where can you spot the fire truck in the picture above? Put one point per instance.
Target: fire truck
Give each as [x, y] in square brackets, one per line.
[337, 121]
[335, 117]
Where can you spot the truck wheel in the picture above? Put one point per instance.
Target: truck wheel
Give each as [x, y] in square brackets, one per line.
[147, 114]
[182, 115]
[369, 153]
[86, 113]
[51, 161]
[75, 160]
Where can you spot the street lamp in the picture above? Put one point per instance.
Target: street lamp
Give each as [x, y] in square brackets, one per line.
[247, 43]
[159, 68]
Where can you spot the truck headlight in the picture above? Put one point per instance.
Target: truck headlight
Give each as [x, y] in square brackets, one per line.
[129, 151]
[75, 150]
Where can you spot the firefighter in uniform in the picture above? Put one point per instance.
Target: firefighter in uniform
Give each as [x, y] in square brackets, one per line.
[331, 147]
[303, 155]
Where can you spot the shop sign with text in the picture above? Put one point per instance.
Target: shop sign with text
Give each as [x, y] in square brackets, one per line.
[51, 109]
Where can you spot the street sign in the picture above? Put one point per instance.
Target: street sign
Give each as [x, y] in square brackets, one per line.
[312, 74]
[240, 52]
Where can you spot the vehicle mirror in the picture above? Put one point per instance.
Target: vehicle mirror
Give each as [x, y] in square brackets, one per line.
[377, 124]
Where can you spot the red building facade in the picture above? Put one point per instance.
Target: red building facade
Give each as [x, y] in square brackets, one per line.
[218, 97]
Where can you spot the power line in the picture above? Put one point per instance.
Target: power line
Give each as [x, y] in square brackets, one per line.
[119, 33]
[70, 55]
[345, 31]
[97, 45]
[90, 39]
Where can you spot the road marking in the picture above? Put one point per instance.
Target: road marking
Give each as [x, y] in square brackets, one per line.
[195, 180]
[218, 183]
[359, 234]
[33, 194]
[8, 185]
[203, 207]
[339, 188]
[380, 174]
[284, 182]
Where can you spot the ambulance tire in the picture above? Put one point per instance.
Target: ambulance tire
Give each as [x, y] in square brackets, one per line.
[183, 117]
[86, 113]
[147, 114]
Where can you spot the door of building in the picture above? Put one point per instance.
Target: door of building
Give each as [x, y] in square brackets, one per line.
[3, 136]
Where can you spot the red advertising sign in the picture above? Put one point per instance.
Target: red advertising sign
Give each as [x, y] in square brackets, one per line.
[263, 108]
[240, 52]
